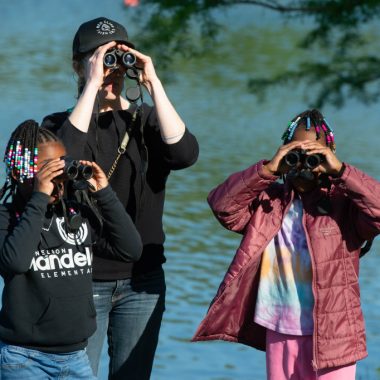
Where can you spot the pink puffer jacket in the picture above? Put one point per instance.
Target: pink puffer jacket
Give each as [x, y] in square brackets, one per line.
[254, 204]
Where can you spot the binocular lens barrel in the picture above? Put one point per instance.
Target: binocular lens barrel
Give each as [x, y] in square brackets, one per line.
[86, 171]
[71, 171]
[312, 161]
[129, 59]
[292, 158]
[111, 57]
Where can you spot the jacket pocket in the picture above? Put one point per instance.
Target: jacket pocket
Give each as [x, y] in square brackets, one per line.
[66, 320]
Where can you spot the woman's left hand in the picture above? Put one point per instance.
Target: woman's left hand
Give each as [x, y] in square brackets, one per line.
[331, 165]
[99, 179]
[143, 62]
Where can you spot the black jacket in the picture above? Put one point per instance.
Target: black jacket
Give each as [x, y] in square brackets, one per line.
[47, 299]
[142, 197]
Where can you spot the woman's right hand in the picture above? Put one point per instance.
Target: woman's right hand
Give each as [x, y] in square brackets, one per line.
[45, 175]
[94, 67]
[91, 70]
[276, 165]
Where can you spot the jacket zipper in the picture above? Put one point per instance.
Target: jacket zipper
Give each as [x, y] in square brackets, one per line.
[314, 362]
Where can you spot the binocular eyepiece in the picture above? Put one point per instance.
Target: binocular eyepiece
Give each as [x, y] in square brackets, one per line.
[112, 57]
[296, 157]
[74, 170]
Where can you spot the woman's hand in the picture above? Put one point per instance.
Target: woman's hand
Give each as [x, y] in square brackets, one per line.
[99, 180]
[143, 62]
[94, 67]
[46, 174]
[91, 71]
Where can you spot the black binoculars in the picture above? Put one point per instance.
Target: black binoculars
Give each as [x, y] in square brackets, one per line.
[296, 157]
[112, 57]
[74, 170]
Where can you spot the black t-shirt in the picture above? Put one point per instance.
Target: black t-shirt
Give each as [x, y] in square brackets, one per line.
[142, 194]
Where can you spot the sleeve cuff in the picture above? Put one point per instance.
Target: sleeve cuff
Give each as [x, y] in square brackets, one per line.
[40, 197]
[341, 176]
[40, 200]
[104, 195]
[262, 174]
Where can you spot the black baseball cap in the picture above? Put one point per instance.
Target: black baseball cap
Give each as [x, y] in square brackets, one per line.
[97, 32]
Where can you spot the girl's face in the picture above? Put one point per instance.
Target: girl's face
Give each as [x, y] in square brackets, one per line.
[300, 134]
[46, 152]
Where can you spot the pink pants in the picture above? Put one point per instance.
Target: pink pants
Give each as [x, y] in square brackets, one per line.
[289, 357]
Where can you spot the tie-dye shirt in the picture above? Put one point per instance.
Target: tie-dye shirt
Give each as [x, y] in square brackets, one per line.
[285, 299]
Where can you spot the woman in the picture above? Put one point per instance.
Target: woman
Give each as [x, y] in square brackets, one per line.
[130, 300]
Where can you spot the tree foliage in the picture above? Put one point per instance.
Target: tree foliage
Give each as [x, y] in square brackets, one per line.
[344, 70]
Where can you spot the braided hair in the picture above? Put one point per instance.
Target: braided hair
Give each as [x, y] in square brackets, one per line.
[311, 118]
[21, 153]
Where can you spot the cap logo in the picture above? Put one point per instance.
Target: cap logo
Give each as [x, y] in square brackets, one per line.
[105, 27]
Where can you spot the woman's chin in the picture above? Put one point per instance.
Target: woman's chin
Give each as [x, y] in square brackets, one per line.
[111, 93]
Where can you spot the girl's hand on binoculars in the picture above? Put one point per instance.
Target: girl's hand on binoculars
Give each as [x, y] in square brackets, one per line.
[99, 179]
[94, 67]
[276, 165]
[143, 62]
[46, 174]
[331, 165]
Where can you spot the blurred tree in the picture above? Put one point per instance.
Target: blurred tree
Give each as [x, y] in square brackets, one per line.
[343, 71]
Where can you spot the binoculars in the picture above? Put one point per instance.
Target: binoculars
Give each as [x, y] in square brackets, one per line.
[112, 57]
[74, 170]
[296, 157]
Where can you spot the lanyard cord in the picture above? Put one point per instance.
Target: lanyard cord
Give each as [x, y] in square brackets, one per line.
[143, 149]
[123, 146]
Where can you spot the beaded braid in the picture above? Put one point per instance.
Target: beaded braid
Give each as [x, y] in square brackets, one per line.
[311, 118]
[21, 153]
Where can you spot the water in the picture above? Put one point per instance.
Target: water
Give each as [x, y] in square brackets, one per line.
[233, 130]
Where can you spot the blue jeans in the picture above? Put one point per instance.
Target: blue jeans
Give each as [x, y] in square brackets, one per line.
[18, 363]
[129, 313]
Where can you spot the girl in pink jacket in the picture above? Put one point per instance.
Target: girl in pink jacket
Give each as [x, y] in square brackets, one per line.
[292, 288]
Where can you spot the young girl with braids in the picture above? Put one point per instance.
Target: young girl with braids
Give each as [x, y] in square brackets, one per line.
[292, 288]
[47, 311]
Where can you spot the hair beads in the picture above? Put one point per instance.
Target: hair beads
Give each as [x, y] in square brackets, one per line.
[288, 134]
[311, 118]
[308, 123]
[21, 160]
[21, 154]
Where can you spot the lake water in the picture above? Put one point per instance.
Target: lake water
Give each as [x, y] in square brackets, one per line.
[233, 130]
